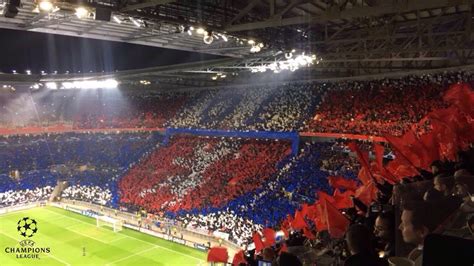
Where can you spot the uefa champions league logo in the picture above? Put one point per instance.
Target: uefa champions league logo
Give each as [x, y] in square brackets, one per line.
[27, 227]
[27, 249]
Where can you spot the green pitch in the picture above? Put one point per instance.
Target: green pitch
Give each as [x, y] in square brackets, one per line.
[74, 239]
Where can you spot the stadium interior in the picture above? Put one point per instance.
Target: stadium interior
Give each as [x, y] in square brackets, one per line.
[277, 132]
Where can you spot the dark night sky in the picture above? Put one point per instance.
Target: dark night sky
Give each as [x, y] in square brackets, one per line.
[22, 50]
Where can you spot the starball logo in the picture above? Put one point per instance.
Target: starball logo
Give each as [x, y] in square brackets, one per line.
[27, 227]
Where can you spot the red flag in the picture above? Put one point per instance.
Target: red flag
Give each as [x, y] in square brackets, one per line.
[304, 209]
[410, 149]
[460, 124]
[342, 183]
[320, 218]
[269, 235]
[285, 232]
[342, 200]
[379, 149]
[364, 175]
[238, 258]
[298, 222]
[366, 193]
[462, 96]
[336, 222]
[324, 196]
[257, 240]
[217, 254]
[446, 140]
[310, 211]
[401, 168]
[363, 159]
[383, 174]
[431, 145]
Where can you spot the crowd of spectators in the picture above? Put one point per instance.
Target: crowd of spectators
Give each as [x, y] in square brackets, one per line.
[239, 229]
[18, 197]
[90, 109]
[297, 181]
[91, 194]
[378, 107]
[89, 160]
[276, 108]
[41, 152]
[193, 172]
[372, 107]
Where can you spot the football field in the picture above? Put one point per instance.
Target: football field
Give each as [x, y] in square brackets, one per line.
[74, 239]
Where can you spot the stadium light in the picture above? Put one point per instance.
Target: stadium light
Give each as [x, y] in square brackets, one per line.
[51, 85]
[91, 84]
[200, 31]
[45, 6]
[36, 86]
[82, 12]
[255, 49]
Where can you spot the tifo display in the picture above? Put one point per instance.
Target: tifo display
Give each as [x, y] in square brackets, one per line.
[240, 173]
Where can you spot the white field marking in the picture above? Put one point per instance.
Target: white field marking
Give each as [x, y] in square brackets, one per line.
[58, 259]
[21, 210]
[117, 239]
[48, 254]
[8, 236]
[10, 213]
[131, 255]
[88, 236]
[70, 228]
[174, 251]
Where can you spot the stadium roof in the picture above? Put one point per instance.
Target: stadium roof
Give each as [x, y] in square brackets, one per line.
[353, 37]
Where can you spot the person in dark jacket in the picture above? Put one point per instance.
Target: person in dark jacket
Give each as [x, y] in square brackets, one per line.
[359, 241]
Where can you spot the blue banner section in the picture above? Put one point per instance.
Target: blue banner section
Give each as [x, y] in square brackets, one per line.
[292, 136]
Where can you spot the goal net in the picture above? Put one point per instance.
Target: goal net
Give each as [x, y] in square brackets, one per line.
[115, 224]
